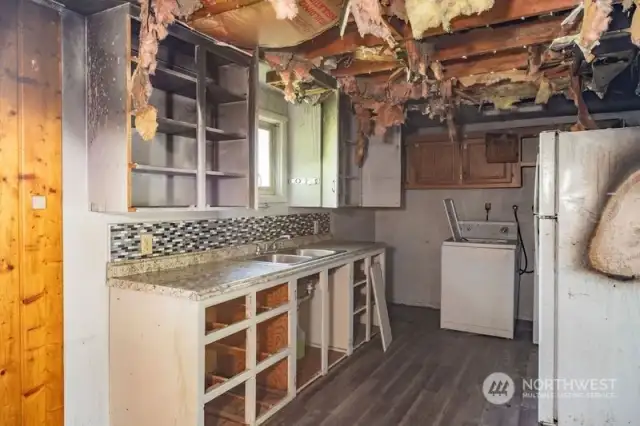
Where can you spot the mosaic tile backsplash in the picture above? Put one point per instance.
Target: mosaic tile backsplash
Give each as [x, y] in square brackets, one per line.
[200, 235]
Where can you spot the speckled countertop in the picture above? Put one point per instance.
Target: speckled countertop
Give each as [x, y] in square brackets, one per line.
[202, 280]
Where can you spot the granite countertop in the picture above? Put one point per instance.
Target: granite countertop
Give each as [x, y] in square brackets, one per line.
[204, 280]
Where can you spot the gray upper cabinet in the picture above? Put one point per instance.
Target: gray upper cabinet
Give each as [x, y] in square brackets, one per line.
[305, 155]
[201, 157]
[328, 157]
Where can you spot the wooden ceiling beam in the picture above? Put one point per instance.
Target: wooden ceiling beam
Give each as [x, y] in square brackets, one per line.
[504, 11]
[215, 7]
[489, 40]
[329, 43]
[503, 61]
[365, 67]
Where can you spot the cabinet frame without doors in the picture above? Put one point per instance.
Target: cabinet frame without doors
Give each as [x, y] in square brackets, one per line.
[234, 357]
[202, 155]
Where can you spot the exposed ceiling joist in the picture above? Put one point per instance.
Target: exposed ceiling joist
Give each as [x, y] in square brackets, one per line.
[507, 10]
[330, 43]
[503, 61]
[214, 7]
[365, 67]
[488, 40]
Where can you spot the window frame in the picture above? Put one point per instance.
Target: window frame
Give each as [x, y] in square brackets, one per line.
[278, 126]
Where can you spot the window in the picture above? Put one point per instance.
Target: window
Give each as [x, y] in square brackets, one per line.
[271, 167]
[267, 138]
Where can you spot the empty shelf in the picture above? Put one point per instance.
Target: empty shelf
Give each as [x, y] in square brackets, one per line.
[157, 208]
[183, 82]
[218, 95]
[214, 134]
[225, 174]
[169, 126]
[163, 170]
[172, 81]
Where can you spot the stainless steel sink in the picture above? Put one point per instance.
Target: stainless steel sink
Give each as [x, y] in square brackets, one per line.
[311, 252]
[282, 258]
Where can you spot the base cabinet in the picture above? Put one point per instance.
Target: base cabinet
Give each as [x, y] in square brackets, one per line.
[237, 358]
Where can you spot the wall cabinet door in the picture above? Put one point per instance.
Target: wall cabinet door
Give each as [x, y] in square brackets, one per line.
[476, 169]
[305, 155]
[331, 137]
[323, 170]
[433, 164]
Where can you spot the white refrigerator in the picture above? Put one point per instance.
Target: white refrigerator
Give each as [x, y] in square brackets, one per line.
[588, 323]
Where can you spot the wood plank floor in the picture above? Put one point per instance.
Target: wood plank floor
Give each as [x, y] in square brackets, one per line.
[428, 377]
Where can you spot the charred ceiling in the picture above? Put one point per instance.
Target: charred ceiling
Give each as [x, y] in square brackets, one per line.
[438, 56]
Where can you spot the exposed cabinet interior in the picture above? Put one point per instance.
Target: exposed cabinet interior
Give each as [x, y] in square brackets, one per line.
[201, 155]
[309, 330]
[225, 359]
[271, 387]
[226, 410]
[435, 161]
[225, 314]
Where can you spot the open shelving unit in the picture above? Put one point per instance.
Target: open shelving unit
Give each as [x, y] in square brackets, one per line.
[204, 92]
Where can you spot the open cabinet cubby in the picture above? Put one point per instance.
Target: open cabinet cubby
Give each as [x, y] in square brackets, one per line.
[201, 155]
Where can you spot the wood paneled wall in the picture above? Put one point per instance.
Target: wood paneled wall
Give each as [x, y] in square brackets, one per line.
[31, 369]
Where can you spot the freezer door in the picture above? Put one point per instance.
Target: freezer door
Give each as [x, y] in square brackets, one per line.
[598, 336]
[547, 173]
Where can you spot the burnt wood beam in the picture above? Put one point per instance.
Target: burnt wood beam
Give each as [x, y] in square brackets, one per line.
[502, 61]
[330, 44]
[365, 67]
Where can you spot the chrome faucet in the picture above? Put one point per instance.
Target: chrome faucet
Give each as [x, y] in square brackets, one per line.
[269, 246]
[273, 245]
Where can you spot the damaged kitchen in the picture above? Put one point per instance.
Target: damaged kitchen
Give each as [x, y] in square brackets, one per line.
[319, 212]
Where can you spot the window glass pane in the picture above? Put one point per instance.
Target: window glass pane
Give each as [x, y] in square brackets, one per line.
[264, 158]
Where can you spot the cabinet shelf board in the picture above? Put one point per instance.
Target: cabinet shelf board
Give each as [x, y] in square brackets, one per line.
[214, 134]
[360, 310]
[360, 282]
[213, 173]
[183, 82]
[170, 79]
[169, 126]
[144, 168]
[218, 95]
[161, 208]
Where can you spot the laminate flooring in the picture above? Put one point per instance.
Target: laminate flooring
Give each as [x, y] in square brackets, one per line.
[428, 377]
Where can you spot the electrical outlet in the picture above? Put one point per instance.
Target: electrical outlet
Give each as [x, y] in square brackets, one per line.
[146, 244]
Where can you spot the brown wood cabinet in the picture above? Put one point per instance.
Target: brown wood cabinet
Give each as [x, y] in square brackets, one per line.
[436, 162]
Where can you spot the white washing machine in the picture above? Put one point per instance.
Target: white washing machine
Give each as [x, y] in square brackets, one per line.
[479, 277]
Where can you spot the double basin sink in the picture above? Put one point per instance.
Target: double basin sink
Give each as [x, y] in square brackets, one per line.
[295, 256]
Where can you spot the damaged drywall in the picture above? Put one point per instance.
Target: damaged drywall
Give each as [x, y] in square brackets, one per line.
[368, 17]
[426, 14]
[260, 23]
[285, 9]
